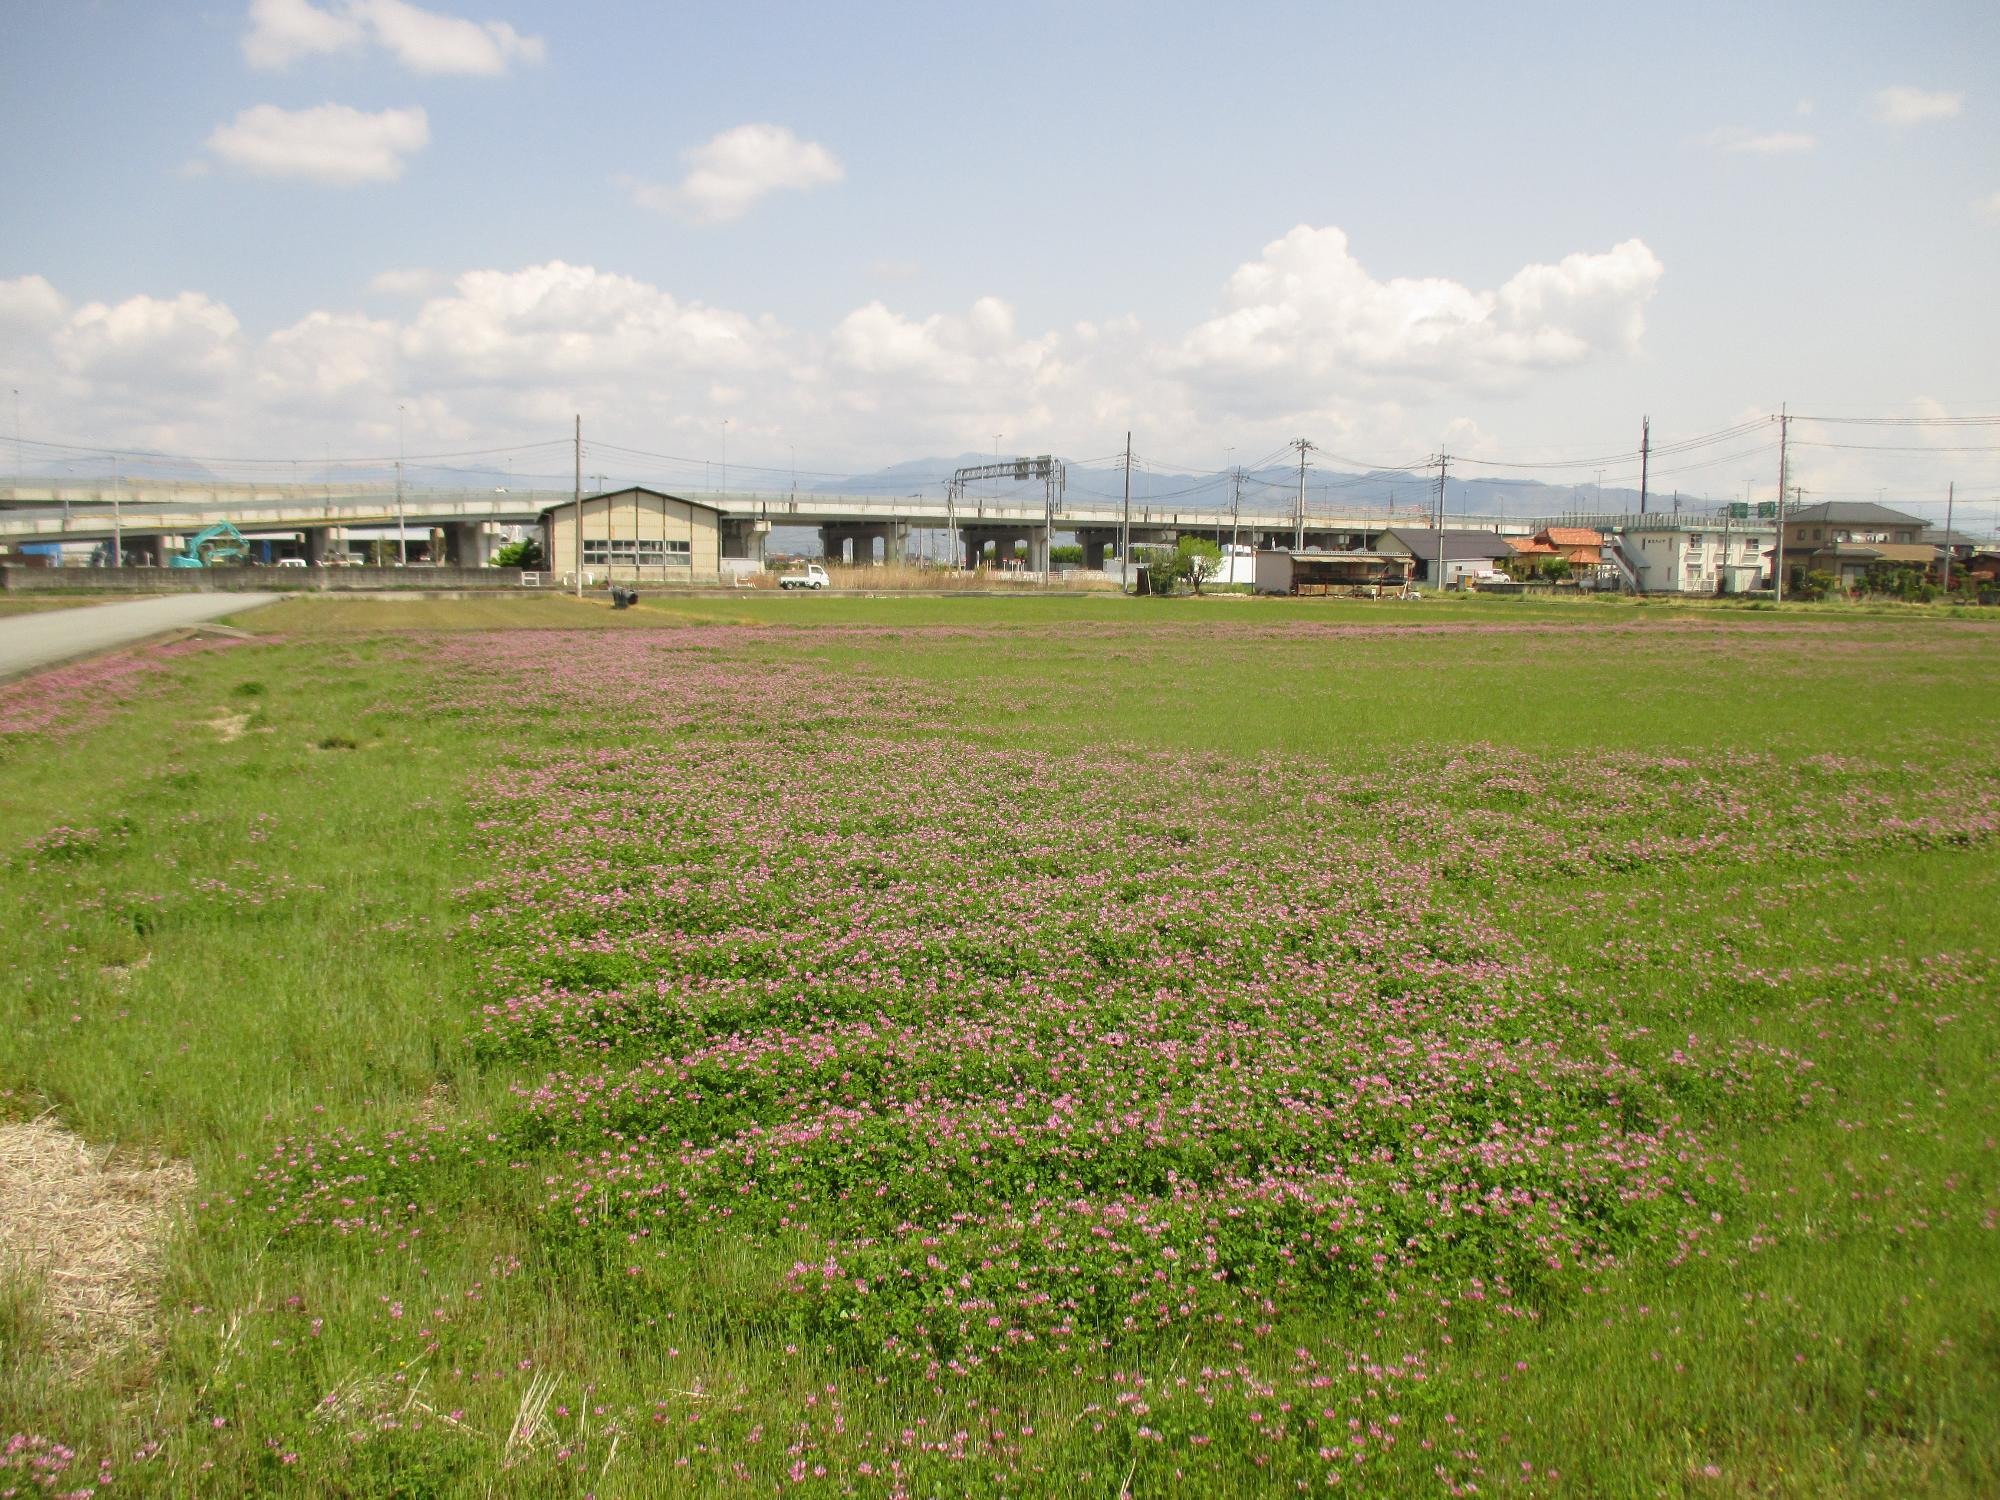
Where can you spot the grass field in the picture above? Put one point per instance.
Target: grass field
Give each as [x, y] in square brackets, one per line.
[1069, 1046]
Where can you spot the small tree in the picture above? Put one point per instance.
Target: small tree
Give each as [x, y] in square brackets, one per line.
[1555, 569]
[1197, 559]
[527, 554]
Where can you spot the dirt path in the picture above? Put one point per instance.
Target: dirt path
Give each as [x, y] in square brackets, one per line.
[30, 642]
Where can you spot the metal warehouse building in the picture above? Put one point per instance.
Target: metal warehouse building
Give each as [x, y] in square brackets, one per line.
[634, 535]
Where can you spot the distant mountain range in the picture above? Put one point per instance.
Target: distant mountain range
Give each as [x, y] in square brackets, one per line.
[1271, 491]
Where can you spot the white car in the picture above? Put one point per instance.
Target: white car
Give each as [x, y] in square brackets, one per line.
[291, 562]
[812, 577]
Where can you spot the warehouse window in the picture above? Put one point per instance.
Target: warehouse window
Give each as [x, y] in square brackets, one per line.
[626, 552]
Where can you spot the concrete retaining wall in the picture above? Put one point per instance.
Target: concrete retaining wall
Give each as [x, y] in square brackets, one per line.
[14, 579]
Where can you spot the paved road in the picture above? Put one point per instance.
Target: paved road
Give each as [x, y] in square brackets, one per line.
[29, 642]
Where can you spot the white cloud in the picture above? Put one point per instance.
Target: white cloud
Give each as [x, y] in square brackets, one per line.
[411, 281]
[329, 143]
[424, 41]
[1760, 143]
[727, 176]
[1989, 206]
[30, 307]
[1903, 106]
[151, 344]
[564, 323]
[1307, 312]
[283, 31]
[1305, 339]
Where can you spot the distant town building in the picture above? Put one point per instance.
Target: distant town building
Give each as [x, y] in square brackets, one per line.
[1582, 547]
[1843, 538]
[1282, 571]
[1669, 554]
[1464, 553]
[634, 535]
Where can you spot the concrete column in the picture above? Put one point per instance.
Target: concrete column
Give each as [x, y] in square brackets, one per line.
[465, 544]
[975, 549]
[896, 542]
[1038, 552]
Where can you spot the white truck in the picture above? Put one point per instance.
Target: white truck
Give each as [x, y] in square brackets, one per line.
[812, 576]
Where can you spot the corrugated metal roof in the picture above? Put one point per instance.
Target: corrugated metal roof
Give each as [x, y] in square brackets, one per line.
[1423, 544]
[636, 489]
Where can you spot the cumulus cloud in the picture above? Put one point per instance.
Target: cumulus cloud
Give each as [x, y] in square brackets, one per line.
[424, 41]
[1308, 312]
[329, 143]
[283, 31]
[1904, 106]
[727, 176]
[576, 322]
[146, 343]
[1760, 143]
[30, 306]
[1305, 338]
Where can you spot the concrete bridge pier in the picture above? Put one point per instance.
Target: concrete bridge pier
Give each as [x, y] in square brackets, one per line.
[838, 543]
[1094, 543]
[745, 538]
[320, 542]
[466, 544]
[143, 551]
[1038, 552]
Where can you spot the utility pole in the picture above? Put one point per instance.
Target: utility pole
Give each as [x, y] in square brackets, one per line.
[1778, 560]
[1444, 571]
[1299, 516]
[577, 535]
[402, 531]
[117, 521]
[1645, 458]
[1125, 528]
[1235, 517]
[1949, 496]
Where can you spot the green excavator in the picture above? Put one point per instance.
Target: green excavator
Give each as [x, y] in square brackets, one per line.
[217, 546]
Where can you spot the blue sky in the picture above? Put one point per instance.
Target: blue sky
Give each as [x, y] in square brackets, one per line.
[867, 233]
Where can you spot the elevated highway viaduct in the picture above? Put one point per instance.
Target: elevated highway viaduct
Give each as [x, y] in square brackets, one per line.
[141, 513]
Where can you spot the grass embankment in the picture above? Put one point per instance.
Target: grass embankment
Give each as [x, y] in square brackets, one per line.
[1566, 1054]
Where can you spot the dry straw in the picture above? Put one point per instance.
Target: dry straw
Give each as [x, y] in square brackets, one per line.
[84, 1232]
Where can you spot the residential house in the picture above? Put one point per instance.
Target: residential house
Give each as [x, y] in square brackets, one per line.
[1671, 554]
[1446, 562]
[1579, 546]
[1844, 538]
[1582, 547]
